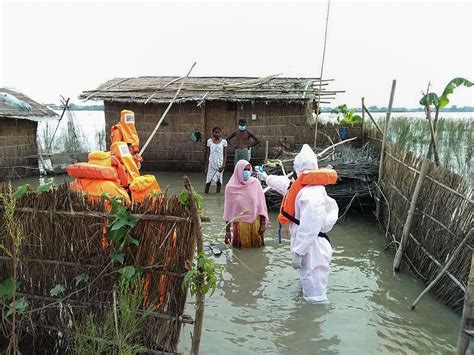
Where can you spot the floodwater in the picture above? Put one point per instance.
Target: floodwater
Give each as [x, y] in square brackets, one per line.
[258, 305]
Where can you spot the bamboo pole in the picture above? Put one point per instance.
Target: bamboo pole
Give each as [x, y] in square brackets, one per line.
[432, 148]
[200, 298]
[318, 108]
[433, 259]
[384, 143]
[363, 122]
[471, 201]
[166, 111]
[443, 270]
[57, 126]
[373, 121]
[411, 212]
[467, 319]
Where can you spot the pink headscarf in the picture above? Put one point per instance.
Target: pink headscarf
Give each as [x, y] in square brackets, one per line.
[244, 199]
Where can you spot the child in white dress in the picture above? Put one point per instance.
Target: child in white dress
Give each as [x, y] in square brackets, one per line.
[216, 157]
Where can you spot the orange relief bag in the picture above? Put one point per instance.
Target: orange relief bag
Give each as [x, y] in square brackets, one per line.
[143, 186]
[101, 158]
[96, 188]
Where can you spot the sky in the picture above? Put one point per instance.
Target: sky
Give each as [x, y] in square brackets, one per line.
[53, 48]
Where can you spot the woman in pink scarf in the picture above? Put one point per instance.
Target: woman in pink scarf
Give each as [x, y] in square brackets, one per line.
[245, 206]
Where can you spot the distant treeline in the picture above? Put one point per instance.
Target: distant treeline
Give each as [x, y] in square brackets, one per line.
[453, 108]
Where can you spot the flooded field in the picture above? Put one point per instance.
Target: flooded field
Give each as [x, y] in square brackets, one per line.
[258, 306]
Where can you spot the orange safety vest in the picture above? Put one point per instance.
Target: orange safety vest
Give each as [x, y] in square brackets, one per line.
[125, 131]
[316, 177]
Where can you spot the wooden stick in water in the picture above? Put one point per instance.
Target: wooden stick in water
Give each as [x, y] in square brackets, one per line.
[199, 317]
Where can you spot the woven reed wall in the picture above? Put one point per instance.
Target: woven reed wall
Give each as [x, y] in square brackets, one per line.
[17, 142]
[58, 247]
[442, 219]
[172, 149]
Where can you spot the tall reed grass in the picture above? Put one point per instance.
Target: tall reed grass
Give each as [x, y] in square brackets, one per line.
[454, 140]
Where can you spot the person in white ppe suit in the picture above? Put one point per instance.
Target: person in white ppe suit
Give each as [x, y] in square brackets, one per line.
[310, 213]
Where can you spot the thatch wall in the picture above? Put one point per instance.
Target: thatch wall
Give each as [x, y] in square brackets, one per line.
[62, 239]
[18, 148]
[172, 149]
[442, 219]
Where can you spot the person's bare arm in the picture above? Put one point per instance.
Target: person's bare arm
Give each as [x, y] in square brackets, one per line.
[225, 159]
[262, 225]
[255, 140]
[228, 139]
[208, 151]
[227, 232]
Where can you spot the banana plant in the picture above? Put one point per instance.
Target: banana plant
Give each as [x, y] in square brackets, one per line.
[438, 102]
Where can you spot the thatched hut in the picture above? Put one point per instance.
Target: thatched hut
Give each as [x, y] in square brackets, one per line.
[274, 107]
[19, 117]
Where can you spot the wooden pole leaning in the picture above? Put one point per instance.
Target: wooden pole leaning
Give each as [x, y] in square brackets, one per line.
[467, 320]
[411, 212]
[443, 270]
[384, 144]
[199, 316]
[166, 111]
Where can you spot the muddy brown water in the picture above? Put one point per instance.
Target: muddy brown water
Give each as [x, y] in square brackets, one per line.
[258, 305]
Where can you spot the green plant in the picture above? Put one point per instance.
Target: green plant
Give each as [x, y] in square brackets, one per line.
[184, 199]
[438, 102]
[118, 230]
[346, 116]
[202, 278]
[119, 332]
[15, 234]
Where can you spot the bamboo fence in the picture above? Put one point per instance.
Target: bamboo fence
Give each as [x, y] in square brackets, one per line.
[64, 237]
[443, 217]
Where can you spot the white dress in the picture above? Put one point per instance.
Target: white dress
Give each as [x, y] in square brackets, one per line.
[216, 159]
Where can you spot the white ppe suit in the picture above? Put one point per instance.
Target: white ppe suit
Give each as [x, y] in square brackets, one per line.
[317, 212]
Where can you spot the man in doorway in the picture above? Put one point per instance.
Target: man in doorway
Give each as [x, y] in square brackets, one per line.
[243, 144]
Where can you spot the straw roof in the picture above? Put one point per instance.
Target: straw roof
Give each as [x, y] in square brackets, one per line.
[38, 112]
[161, 89]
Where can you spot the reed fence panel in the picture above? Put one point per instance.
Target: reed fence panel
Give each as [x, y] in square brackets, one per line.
[64, 237]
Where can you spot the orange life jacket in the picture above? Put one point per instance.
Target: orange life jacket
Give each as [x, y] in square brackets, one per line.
[92, 171]
[315, 177]
[121, 151]
[125, 131]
